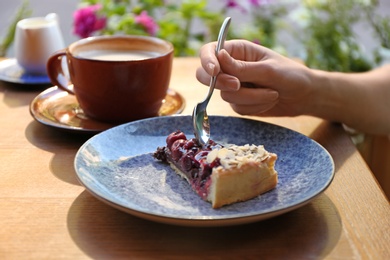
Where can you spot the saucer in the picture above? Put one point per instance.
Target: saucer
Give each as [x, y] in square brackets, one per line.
[57, 108]
[11, 72]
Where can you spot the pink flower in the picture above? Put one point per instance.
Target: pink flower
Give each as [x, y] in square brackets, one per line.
[147, 22]
[254, 2]
[258, 3]
[86, 21]
[234, 4]
[231, 4]
[256, 41]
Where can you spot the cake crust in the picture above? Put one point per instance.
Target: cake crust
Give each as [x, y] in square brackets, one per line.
[244, 183]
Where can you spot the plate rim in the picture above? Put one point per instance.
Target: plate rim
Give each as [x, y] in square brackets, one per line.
[187, 220]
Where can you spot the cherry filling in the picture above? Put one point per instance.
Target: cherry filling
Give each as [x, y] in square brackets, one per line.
[190, 158]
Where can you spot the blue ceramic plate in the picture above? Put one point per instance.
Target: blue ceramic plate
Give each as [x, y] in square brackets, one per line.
[117, 167]
[10, 71]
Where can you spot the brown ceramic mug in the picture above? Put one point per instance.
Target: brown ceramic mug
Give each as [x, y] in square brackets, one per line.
[115, 79]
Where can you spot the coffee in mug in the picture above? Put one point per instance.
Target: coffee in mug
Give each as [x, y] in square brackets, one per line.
[115, 79]
[111, 55]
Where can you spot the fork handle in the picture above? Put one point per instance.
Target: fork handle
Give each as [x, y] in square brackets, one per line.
[221, 40]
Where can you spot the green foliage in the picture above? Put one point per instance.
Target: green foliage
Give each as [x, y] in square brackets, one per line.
[325, 30]
[381, 26]
[267, 21]
[329, 38]
[174, 18]
[23, 12]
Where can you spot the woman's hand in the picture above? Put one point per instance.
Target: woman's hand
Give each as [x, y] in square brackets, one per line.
[256, 80]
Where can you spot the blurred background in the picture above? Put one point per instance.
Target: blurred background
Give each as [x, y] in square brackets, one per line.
[312, 30]
[65, 9]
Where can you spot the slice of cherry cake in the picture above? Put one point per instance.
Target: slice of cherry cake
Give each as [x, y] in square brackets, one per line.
[220, 174]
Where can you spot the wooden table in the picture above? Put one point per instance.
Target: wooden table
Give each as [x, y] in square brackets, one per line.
[46, 214]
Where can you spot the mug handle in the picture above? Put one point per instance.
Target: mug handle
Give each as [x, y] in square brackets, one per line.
[56, 72]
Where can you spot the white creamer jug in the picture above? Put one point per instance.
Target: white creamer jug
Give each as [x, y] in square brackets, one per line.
[36, 39]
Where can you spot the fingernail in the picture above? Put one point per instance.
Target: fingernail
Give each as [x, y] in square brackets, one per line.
[211, 66]
[232, 84]
[273, 94]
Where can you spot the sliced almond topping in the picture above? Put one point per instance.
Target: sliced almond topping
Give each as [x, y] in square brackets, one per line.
[211, 156]
[238, 155]
[234, 155]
